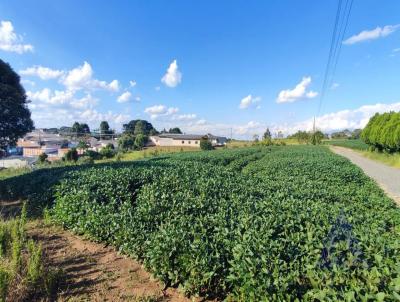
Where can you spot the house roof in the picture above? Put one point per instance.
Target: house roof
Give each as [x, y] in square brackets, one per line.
[182, 136]
[189, 136]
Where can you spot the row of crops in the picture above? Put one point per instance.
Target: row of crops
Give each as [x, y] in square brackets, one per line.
[273, 224]
[356, 144]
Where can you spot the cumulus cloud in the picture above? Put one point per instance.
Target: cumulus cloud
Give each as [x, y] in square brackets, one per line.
[297, 93]
[365, 35]
[44, 73]
[249, 100]
[81, 77]
[28, 82]
[160, 110]
[132, 83]
[10, 41]
[59, 98]
[173, 76]
[125, 97]
[185, 117]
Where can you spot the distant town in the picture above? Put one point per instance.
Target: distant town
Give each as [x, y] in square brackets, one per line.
[55, 144]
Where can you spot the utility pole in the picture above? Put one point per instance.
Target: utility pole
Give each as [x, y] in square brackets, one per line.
[231, 133]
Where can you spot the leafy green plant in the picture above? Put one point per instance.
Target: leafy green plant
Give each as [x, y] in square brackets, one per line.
[277, 223]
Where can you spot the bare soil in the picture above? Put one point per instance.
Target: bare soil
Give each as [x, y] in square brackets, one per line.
[94, 272]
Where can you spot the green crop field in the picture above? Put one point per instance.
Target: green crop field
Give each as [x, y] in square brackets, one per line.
[283, 223]
[356, 144]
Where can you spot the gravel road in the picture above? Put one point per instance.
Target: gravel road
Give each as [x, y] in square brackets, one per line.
[387, 177]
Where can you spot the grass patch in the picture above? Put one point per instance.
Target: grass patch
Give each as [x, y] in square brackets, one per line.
[24, 275]
[392, 160]
[10, 172]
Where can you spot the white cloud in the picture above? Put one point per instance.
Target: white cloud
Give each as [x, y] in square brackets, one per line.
[125, 97]
[334, 86]
[185, 117]
[93, 116]
[46, 97]
[160, 110]
[81, 77]
[247, 101]
[365, 35]
[157, 88]
[132, 83]
[42, 72]
[10, 41]
[297, 93]
[28, 82]
[138, 98]
[173, 76]
[396, 50]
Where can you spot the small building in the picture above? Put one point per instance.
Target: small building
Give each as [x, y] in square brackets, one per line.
[185, 140]
[16, 162]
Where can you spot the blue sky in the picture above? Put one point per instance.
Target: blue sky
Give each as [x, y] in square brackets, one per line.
[205, 66]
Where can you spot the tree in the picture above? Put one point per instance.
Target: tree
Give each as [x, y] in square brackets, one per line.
[356, 134]
[140, 128]
[301, 136]
[205, 144]
[15, 117]
[175, 130]
[317, 137]
[267, 135]
[80, 129]
[83, 145]
[144, 127]
[126, 142]
[140, 141]
[105, 130]
[255, 138]
[104, 127]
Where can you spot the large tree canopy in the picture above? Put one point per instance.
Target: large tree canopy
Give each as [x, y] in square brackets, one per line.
[135, 127]
[175, 130]
[383, 132]
[15, 117]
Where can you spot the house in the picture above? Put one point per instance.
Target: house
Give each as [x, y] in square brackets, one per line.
[185, 140]
[16, 162]
[38, 141]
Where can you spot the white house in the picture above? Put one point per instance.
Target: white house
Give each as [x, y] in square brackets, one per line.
[185, 140]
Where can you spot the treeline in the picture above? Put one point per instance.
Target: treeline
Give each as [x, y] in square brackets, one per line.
[382, 132]
[304, 137]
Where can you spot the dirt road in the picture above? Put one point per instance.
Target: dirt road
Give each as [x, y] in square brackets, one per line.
[387, 177]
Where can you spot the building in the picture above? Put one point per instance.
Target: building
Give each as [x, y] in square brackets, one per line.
[185, 140]
[38, 141]
[16, 162]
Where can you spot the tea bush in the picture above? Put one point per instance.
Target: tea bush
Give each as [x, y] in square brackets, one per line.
[273, 223]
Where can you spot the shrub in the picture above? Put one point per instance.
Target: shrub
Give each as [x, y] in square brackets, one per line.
[107, 152]
[71, 155]
[140, 141]
[205, 144]
[279, 223]
[42, 158]
[85, 160]
[383, 132]
[126, 142]
[92, 154]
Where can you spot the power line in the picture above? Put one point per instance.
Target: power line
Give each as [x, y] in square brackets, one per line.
[328, 64]
[341, 22]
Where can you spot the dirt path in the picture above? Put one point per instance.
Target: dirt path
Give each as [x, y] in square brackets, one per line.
[97, 273]
[387, 177]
